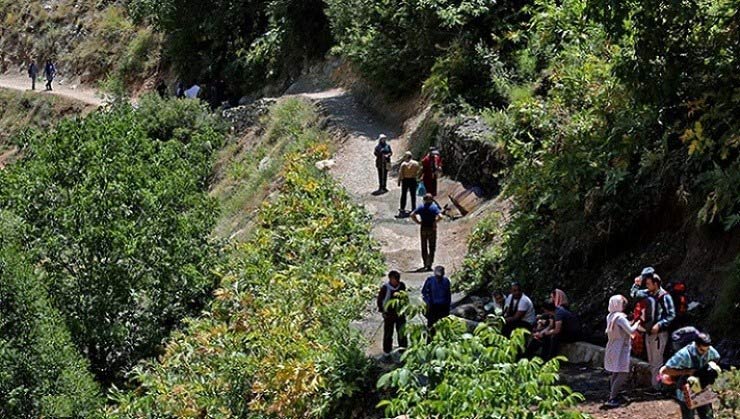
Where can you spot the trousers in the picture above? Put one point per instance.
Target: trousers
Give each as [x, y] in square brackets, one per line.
[408, 186]
[428, 245]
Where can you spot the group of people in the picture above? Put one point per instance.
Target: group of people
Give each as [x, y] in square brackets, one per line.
[693, 359]
[50, 71]
[655, 317]
[437, 296]
[414, 178]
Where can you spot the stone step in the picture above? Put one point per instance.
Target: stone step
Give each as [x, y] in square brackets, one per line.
[593, 356]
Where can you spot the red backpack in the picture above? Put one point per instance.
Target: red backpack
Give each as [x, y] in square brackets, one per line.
[677, 290]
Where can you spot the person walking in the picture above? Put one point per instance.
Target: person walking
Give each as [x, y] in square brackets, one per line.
[383, 155]
[663, 313]
[431, 169]
[617, 354]
[690, 361]
[391, 318]
[427, 215]
[407, 180]
[437, 296]
[518, 311]
[50, 71]
[33, 73]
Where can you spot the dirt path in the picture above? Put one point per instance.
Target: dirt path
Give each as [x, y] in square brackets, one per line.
[21, 82]
[399, 238]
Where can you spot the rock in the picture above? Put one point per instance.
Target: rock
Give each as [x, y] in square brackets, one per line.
[324, 165]
[472, 156]
[593, 355]
[470, 312]
[264, 163]
[243, 117]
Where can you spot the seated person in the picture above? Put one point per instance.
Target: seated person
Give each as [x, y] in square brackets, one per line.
[564, 328]
[518, 311]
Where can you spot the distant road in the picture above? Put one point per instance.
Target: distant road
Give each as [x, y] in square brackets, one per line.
[21, 82]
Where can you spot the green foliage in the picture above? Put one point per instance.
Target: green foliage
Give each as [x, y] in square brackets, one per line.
[458, 374]
[728, 389]
[290, 127]
[19, 111]
[118, 217]
[590, 138]
[41, 372]
[276, 340]
[399, 45]
[246, 42]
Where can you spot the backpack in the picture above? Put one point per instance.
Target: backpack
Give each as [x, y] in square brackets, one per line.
[677, 290]
[645, 311]
[683, 337]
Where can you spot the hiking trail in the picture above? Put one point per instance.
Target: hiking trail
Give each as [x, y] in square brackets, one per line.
[21, 82]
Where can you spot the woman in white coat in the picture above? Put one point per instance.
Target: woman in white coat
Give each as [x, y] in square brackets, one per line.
[617, 354]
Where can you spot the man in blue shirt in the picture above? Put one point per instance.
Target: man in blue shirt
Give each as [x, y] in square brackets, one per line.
[427, 215]
[686, 362]
[437, 296]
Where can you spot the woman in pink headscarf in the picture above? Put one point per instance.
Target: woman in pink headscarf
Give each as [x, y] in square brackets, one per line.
[559, 298]
[617, 353]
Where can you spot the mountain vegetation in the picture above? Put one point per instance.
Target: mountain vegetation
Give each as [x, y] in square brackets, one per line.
[124, 292]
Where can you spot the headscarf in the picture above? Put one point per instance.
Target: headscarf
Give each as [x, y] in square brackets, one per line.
[616, 305]
[559, 298]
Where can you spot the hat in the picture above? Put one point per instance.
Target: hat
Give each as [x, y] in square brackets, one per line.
[648, 272]
[408, 154]
[382, 137]
[439, 270]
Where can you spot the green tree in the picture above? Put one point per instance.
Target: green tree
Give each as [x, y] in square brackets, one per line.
[118, 216]
[41, 372]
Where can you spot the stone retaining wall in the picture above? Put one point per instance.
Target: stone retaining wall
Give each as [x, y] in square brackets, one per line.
[470, 154]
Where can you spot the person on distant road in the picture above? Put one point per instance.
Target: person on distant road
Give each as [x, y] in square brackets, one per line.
[50, 71]
[617, 354]
[383, 155]
[33, 73]
[431, 169]
[427, 215]
[193, 91]
[407, 176]
[518, 311]
[391, 318]
[437, 296]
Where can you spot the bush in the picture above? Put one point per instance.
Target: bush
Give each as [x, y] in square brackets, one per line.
[276, 341]
[42, 375]
[118, 216]
[727, 387]
[457, 374]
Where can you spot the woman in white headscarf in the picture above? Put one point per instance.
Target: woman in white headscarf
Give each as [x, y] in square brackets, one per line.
[617, 354]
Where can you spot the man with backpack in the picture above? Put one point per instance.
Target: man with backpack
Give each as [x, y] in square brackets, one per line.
[693, 361]
[407, 176]
[391, 318]
[50, 71]
[659, 315]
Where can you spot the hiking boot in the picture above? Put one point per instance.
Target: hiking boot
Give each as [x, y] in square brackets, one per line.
[612, 404]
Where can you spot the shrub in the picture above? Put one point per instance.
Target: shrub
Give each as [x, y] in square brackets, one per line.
[727, 386]
[457, 374]
[118, 216]
[42, 374]
[276, 341]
